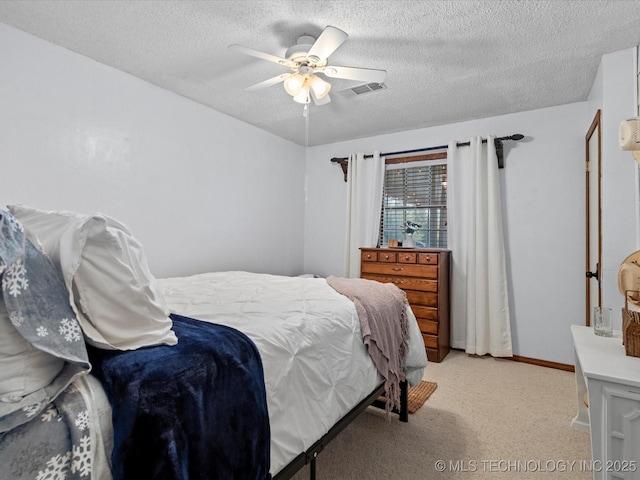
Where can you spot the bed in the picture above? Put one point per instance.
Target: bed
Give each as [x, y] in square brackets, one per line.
[305, 371]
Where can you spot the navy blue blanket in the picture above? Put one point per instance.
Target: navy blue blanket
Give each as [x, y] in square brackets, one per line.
[195, 410]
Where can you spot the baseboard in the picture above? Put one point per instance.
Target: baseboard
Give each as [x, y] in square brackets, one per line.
[543, 363]
[535, 361]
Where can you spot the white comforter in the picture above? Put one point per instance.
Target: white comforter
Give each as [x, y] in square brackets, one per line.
[316, 367]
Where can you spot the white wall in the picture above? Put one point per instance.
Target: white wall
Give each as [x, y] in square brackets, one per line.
[201, 190]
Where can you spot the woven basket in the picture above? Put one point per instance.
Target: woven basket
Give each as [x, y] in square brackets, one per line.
[630, 328]
[632, 340]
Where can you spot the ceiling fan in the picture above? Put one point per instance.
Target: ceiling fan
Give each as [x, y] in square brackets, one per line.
[307, 58]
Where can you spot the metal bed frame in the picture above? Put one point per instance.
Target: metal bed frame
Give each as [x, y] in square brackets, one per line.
[310, 456]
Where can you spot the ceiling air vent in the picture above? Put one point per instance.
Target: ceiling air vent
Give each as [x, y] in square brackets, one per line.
[362, 89]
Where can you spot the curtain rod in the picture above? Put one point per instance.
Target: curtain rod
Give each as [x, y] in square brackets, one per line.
[498, 142]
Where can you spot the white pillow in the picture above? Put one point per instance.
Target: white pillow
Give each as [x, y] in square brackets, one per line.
[23, 368]
[105, 270]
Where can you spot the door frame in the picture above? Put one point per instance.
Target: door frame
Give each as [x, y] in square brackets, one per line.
[594, 128]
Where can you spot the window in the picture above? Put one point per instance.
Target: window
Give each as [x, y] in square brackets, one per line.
[415, 191]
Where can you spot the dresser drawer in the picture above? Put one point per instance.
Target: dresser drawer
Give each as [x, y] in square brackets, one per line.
[428, 326]
[407, 257]
[369, 256]
[428, 258]
[426, 299]
[398, 269]
[414, 283]
[387, 257]
[430, 341]
[434, 355]
[405, 283]
[425, 313]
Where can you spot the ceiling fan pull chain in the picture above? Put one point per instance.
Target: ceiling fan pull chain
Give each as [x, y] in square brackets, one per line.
[305, 114]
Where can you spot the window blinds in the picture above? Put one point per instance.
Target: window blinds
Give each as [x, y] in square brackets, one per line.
[416, 193]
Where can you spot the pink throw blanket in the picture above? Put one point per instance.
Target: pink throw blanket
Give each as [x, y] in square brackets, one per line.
[381, 309]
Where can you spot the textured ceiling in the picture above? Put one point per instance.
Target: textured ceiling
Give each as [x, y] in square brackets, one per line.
[447, 61]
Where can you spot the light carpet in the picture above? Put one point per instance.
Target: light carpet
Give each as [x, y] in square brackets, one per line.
[488, 419]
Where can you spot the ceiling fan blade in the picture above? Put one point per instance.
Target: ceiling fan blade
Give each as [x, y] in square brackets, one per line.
[262, 55]
[269, 82]
[320, 101]
[352, 73]
[327, 43]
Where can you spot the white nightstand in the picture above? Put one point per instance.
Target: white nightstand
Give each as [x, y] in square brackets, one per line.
[612, 380]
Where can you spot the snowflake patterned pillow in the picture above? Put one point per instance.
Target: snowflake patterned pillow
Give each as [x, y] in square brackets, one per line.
[105, 269]
[36, 304]
[23, 369]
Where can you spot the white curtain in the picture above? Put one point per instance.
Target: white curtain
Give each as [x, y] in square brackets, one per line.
[365, 181]
[480, 322]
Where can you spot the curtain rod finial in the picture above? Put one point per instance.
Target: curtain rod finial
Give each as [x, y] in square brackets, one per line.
[344, 163]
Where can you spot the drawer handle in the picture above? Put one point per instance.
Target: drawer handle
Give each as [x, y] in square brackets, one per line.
[368, 255]
[406, 257]
[428, 258]
[386, 257]
[397, 269]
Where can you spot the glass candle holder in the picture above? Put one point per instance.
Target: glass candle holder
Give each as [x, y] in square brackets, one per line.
[602, 321]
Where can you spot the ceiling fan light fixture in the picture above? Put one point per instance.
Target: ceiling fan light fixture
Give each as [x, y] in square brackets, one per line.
[299, 86]
[294, 84]
[320, 87]
[303, 96]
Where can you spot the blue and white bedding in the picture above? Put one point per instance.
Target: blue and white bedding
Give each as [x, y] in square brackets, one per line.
[70, 439]
[45, 430]
[308, 338]
[316, 366]
[37, 304]
[192, 410]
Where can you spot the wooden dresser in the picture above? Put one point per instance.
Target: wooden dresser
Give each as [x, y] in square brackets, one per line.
[424, 275]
